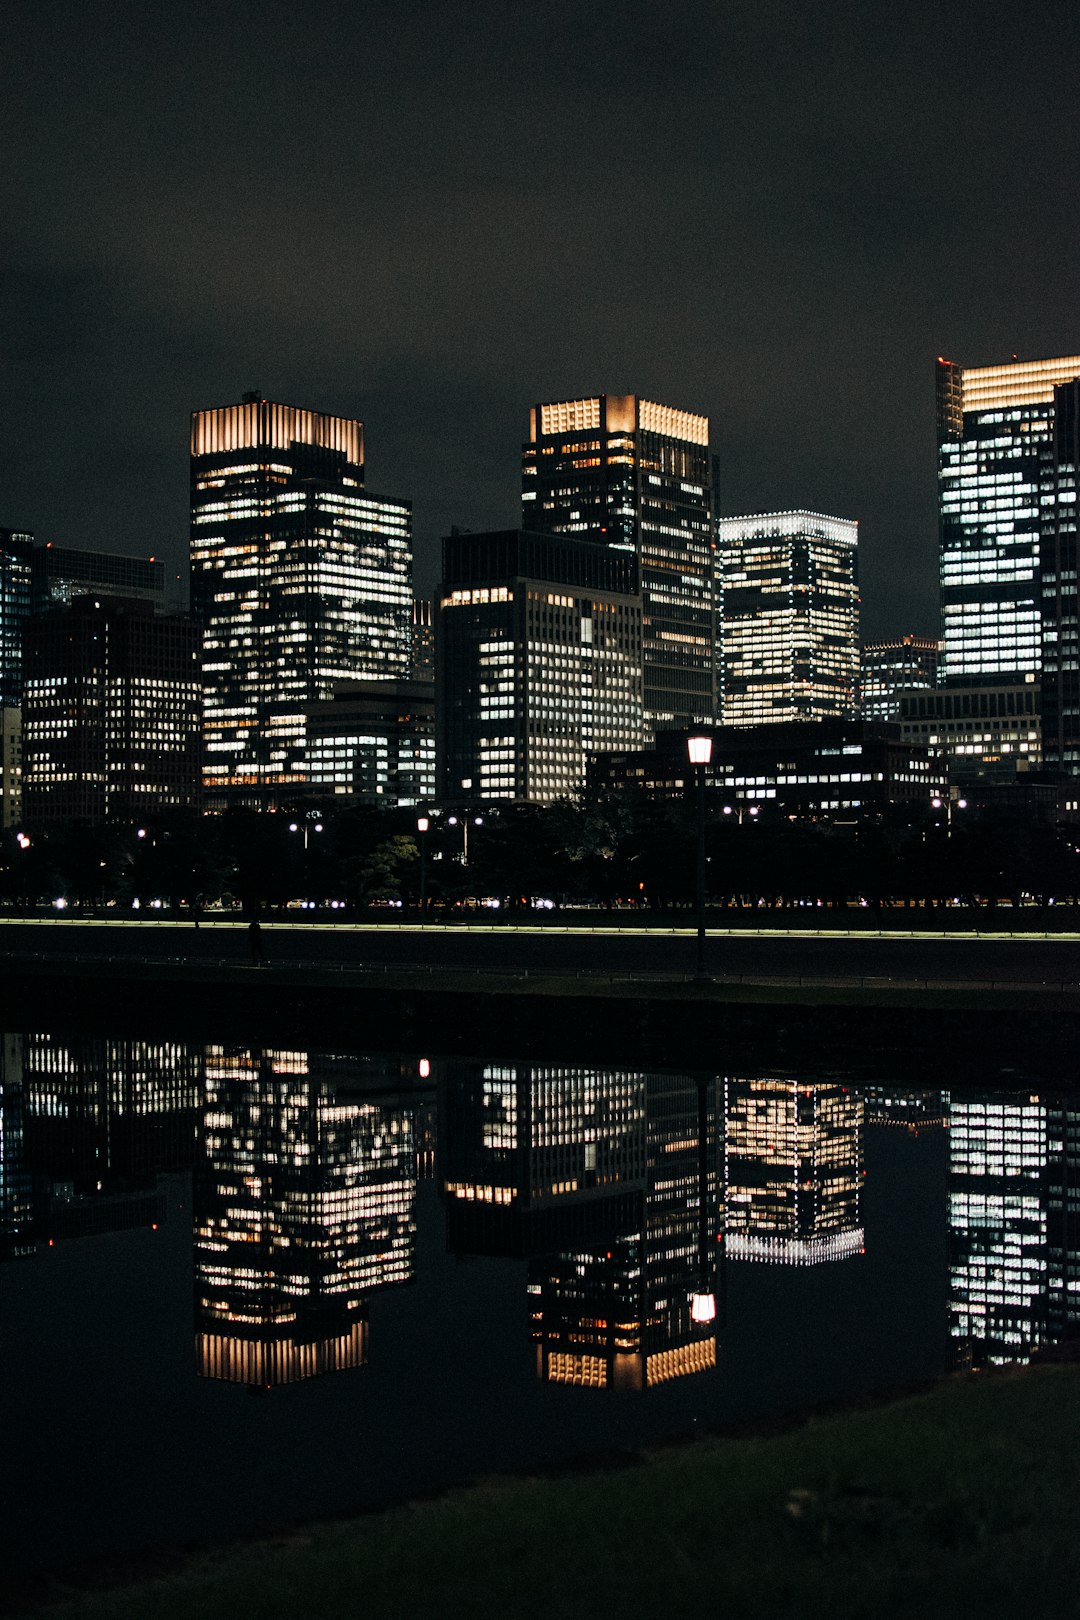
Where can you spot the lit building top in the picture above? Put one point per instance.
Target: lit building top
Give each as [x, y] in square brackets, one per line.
[767, 525]
[624, 413]
[1019, 382]
[259, 424]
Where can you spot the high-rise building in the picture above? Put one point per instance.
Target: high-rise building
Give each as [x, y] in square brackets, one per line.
[538, 640]
[422, 641]
[59, 574]
[111, 713]
[788, 603]
[16, 1185]
[16, 549]
[10, 767]
[373, 742]
[629, 474]
[300, 578]
[1059, 556]
[793, 1171]
[893, 669]
[975, 731]
[995, 426]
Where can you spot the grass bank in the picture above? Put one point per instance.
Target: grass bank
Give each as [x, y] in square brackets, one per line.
[962, 1501]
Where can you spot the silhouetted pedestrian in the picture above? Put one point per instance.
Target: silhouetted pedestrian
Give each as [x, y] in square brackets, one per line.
[258, 955]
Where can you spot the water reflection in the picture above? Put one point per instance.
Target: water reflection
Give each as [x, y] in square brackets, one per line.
[793, 1156]
[304, 1205]
[622, 1193]
[1014, 1225]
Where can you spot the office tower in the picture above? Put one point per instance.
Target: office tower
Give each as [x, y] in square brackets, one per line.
[539, 646]
[995, 425]
[793, 1171]
[639, 1308]
[1060, 570]
[303, 1204]
[300, 578]
[10, 767]
[373, 742]
[59, 574]
[906, 1108]
[16, 549]
[788, 605]
[422, 640]
[111, 713]
[998, 1226]
[536, 1156]
[835, 766]
[975, 731]
[635, 476]
[892, 669]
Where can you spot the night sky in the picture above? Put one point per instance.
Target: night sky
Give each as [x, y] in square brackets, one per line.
[430, 215]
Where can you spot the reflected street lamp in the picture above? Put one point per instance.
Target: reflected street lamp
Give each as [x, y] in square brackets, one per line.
[700, 752]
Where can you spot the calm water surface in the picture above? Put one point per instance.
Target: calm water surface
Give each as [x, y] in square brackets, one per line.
[242, 1286]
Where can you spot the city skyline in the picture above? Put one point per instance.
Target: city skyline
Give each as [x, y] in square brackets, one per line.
[792, 238]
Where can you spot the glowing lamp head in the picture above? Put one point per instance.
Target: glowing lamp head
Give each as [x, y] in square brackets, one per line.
[961, 804]
[699, 749]
[422, 824]
[936, 803]
[425, 1068]
[703, 1308]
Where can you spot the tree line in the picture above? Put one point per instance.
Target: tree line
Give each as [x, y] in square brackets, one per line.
[622, 849]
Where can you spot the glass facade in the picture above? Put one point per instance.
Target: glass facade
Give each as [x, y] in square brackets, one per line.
[61, 573]
[300, 578]
[111, 713]
[539, 645]
[374, 742]
[995, 424]
[893, 668]
[1060, 588]
[636, 476]
[16, 550]
[788, 601]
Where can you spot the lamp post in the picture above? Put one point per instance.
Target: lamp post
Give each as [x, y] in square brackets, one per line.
[463, 823]
[700, 752]
[742, 810]
[703, 1298]
[305, 828]
[422, 825]
[950, 801]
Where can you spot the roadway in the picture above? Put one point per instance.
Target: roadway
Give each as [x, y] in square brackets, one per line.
[547, 948]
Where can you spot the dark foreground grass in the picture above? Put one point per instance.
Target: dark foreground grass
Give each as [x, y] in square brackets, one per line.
[961, 1502]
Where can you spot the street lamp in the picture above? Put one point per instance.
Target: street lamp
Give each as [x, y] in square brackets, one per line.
[949, 802]
[422, 825]
[305, 828]
[700, 752]
[742, 810]
[463, 823]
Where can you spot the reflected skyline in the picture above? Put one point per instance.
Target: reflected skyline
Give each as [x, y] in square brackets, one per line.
[793, 1170]
[303, 1205]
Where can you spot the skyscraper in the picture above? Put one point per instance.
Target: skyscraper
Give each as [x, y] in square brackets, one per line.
[1059, 557]
[300, 578]
[538, 646]
[110, 714]
[995, 427]
[788, 599]
[59, 574]
[892, 669]
[625, 472]
[15, 552]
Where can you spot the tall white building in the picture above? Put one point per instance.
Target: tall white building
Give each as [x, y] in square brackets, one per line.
[788, 610]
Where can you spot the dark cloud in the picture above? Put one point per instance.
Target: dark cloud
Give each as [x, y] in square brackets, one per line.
[432, 214]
